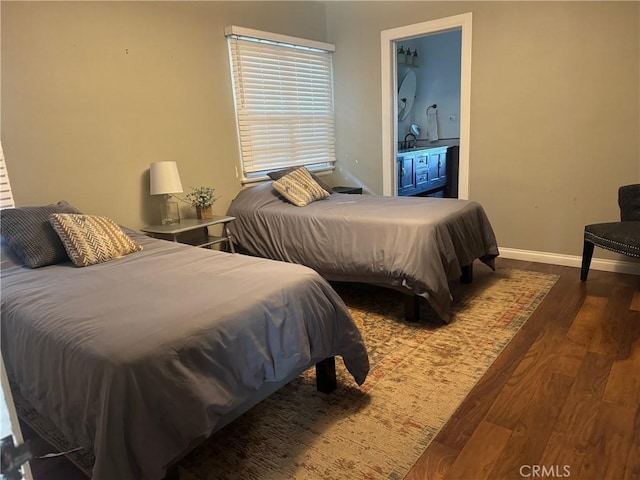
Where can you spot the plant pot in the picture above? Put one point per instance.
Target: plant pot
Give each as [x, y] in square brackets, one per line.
[204, 212]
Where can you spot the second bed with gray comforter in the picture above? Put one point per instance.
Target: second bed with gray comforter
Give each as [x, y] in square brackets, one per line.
[417, 244]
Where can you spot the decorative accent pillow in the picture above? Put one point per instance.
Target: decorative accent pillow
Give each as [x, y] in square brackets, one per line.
[90, 239]
[300, 188]
[28, 233]
[278, 174]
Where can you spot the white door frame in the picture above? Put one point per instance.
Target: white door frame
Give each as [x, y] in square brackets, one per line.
[390, 87]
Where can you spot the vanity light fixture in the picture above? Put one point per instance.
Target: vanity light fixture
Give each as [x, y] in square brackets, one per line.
[407, 58]
[402, 57]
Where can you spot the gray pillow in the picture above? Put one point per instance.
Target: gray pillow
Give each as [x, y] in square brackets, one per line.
[278, 174]
[29, 234]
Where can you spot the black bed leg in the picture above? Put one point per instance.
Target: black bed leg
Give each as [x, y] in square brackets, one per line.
[326, 381]
[467, 273]
[172, 473]
[411, 308]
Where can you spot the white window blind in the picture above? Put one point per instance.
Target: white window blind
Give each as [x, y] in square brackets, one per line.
[6, 196]
[284, 104]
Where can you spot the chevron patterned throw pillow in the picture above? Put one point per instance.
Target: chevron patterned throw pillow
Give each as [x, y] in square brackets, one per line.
[300, 188]
[89, 239]
[278, 174]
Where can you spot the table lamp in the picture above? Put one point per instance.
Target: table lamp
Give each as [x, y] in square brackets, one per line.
[165, 180]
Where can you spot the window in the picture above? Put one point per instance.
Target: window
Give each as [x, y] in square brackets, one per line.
[283, 92]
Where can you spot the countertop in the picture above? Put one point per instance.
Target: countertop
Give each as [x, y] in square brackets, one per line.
[426, 144]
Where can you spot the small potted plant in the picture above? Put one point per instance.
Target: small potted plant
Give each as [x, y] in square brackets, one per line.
[202, 198]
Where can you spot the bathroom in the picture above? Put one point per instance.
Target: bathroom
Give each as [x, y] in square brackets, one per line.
[429, 114]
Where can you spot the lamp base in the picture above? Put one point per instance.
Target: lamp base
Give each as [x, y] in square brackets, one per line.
[170, 211]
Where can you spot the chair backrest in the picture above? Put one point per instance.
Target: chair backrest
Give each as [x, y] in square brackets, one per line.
[629, 202]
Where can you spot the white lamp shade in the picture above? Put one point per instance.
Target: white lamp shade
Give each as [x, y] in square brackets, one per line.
[164, 178]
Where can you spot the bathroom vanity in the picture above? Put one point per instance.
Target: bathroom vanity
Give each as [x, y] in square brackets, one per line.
[428, 171]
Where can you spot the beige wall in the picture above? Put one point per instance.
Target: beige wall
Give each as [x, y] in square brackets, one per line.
[555, 105]
[95, 91]
[0, 73]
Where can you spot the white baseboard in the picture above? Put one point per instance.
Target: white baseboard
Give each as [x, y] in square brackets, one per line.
[571, 260]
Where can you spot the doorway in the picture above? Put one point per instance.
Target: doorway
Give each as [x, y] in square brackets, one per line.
[389, 40]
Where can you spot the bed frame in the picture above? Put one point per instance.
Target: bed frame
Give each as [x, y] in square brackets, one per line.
[412, 301]
[326, 382]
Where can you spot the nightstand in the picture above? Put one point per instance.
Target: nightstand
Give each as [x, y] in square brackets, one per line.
[194, 232]
[351, 190]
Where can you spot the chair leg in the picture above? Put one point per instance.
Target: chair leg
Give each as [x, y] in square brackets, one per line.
[587, 253]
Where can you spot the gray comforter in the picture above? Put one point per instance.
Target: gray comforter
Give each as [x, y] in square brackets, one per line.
[139, 356]
[413, 243]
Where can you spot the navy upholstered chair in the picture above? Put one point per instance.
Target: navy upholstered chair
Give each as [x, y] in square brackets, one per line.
[622, 237]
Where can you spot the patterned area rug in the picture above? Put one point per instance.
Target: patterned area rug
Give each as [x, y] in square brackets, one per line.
[420, 373]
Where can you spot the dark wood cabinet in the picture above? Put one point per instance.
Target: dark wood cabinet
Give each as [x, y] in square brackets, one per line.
[422, 172]
[406, 175]
[452, 168]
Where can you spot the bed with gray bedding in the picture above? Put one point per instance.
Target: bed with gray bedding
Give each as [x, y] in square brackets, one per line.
[139, 357]
[415, 244]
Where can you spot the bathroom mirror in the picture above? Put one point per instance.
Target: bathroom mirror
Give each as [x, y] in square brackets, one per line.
[406, 95]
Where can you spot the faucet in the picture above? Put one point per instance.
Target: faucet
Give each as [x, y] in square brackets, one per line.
[407, 144]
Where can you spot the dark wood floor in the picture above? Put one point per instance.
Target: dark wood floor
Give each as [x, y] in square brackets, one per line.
[561, 401]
